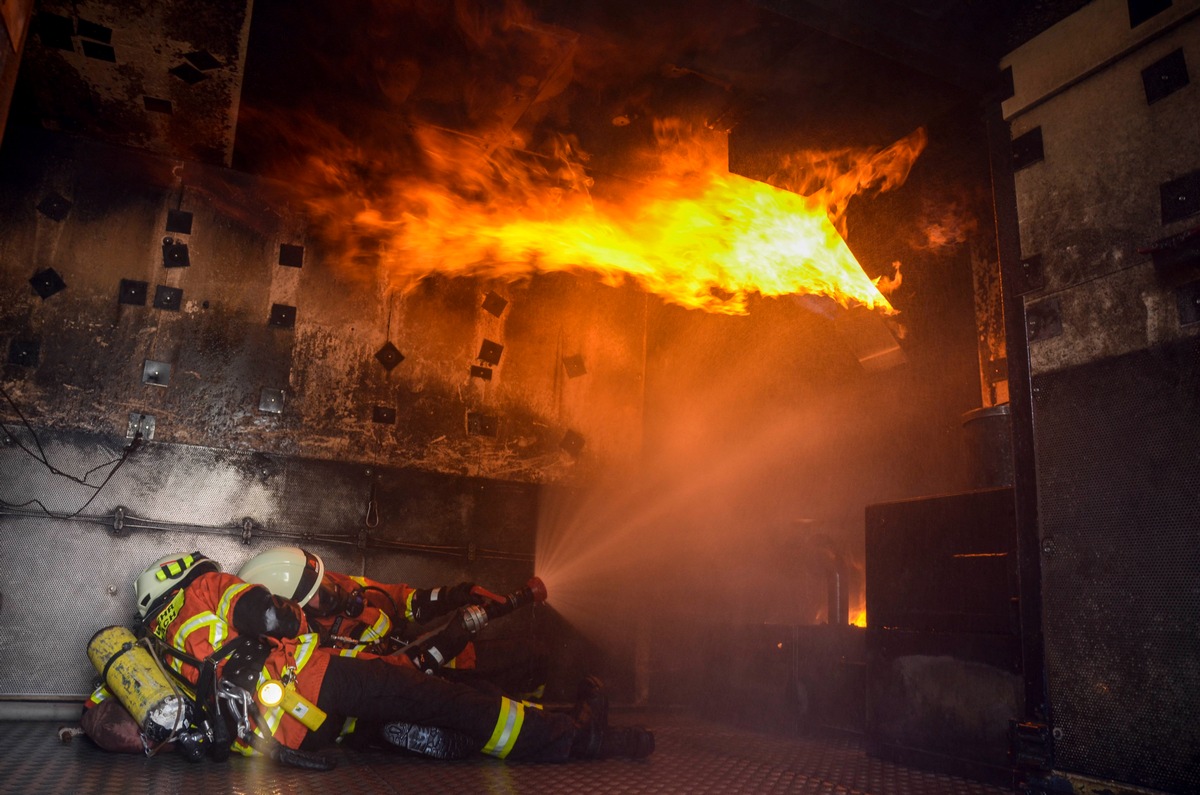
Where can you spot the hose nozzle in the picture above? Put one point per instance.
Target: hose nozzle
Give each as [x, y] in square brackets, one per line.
[476, 617]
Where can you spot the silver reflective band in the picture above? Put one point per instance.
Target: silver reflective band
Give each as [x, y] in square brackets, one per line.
[433, 595]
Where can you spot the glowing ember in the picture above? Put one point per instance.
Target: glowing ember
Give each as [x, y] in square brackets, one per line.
[687, 230]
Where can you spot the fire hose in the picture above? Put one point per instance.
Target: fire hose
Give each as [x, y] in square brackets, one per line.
[432, 650]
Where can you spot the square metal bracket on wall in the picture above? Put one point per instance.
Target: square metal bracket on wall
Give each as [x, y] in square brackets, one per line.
[47, 282]
[1164, 77]
[1031, 276]
[282, 316]
[133, 292]
[1187, 300]
[139, 422]
[156, 373]
[24, 353]
[494, 304]
[1180, 197]
[169, 298]
[55, 206]
[1043, 320]
[291, 256]
[270, 401]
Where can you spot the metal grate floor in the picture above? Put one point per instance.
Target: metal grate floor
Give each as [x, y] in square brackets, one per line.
[692, 757]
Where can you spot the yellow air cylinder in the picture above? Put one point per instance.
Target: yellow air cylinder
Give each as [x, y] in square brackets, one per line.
[138, 682]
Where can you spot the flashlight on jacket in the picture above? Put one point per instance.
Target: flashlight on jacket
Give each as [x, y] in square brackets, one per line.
[476, 617]
[274, 693]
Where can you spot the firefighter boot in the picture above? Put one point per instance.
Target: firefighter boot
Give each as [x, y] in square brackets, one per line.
[590, 714]
[430, 741]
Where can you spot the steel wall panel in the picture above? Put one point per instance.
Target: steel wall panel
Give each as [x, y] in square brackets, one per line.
[1118, 487]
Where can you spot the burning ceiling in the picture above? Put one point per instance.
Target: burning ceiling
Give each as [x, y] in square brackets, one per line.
[498, 140]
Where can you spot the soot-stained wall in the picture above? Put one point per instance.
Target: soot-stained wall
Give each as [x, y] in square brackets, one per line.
[269, 349]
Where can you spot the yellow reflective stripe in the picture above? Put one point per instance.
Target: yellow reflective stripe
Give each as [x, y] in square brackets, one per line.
[408, 608]
[216, 630]
[508, 728]
[227, 597]
[531, 704]
[377, 630]
[306, 647]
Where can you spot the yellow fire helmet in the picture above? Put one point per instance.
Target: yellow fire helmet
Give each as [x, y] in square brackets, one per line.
[167, 574]
[290, 572]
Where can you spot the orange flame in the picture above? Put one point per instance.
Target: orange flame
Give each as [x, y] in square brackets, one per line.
[686, 230]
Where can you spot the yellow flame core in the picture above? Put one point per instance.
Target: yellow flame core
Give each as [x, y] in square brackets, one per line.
[689, 231]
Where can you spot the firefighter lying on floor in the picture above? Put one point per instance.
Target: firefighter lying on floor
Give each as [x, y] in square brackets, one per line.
[229, 640]
[362, 614]
[358, 613]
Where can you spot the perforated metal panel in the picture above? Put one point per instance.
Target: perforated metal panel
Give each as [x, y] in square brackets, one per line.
[61, 580]
[1119, 488]
[691, 757]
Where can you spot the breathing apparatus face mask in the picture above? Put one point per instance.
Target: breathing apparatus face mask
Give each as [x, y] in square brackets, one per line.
[328, 601]
[332, 600]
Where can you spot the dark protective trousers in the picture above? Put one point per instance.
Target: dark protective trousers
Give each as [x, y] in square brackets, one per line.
[376, 691]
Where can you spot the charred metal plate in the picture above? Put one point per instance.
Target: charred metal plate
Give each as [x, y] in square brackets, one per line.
[24, 353]
[47, 282]
[1043, 320]
[156, 105]
[169, 298]
[481, 372]
[389, 356]
[1187, 298]
[101, 52]
[94, 31]
[140, 423]
[1180, 197]
[1142, 10]
[494, 304]
[156, 373]
[179, 221]
[489, 352]
[479, 424]
[175, 253]
[1176, 257]
[203, 60]
[270, 400]
[572, 442]
[55, 206]
[133, 292]
[282, 316]
[291, 256]
[55, 31]
[1032, 275]
[384, 415]
[1027, 149]
[187, 73]
[574, 365]
[1164, 77]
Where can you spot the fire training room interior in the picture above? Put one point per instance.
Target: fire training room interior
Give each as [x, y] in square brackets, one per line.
[832, 366]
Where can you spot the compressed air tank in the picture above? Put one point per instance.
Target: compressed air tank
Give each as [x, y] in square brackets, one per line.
[138, 682]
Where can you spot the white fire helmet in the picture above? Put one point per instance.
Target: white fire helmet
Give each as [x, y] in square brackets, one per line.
[290, 572]
[165, 575]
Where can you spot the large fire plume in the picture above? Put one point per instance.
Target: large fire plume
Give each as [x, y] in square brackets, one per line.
[684, 229]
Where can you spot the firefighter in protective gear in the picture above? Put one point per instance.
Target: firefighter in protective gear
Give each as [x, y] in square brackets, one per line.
[187, 602]
[358, 613]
